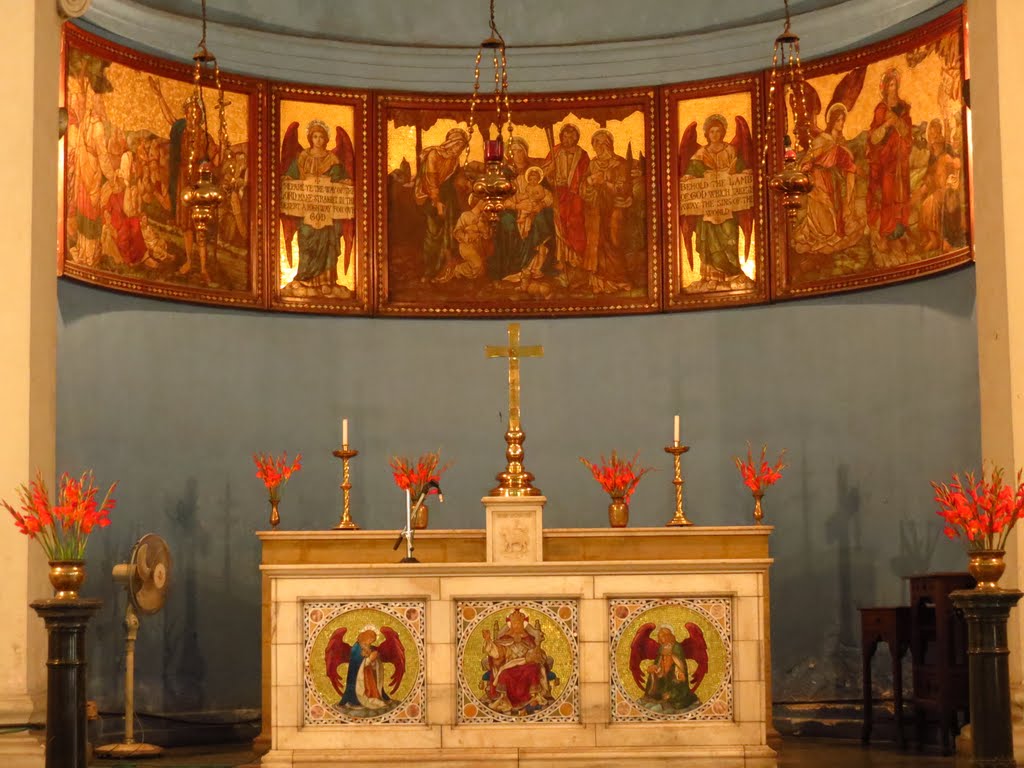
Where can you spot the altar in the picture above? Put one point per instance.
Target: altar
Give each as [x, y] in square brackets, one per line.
[517, 646]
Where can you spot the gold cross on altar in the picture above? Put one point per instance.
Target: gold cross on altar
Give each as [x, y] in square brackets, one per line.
[515, 480]
[513, 352]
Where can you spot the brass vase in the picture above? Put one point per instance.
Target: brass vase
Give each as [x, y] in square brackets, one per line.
[275, 516]
[758, 510]
[618, 512]
[986, 566]
[66, 576]
[420, 517]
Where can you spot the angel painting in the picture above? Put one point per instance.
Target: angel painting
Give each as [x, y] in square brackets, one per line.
[364, 692]
[717, 202]
[832, 220]
[317, 208]
[660, 666]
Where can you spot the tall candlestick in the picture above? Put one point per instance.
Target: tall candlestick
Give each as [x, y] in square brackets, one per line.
[675, 429]
[344, 432]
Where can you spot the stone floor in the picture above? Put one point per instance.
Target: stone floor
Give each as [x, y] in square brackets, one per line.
[794, 753]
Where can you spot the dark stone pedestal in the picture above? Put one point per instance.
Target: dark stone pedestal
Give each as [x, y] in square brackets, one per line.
[65, 679]
[986, 613]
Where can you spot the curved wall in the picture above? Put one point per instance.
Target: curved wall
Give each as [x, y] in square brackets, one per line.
[874, 394]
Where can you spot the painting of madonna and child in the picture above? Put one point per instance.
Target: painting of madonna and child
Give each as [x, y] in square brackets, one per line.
[887, 154]
[131, 154]
[716, 232]
[578, 234]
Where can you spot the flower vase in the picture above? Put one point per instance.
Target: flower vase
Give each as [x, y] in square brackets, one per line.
[986, 566]
[420, 517]
[618, 512]
[758, 510]
[275, 516]
[66, 576]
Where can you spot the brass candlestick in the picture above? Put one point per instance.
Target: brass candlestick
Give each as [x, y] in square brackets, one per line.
[345, 524]
[677, 451]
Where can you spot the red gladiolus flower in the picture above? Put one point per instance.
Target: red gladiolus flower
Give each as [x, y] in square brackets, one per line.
[758, 475]
[617, 476]
[275, 472]
[63, 528]
[413, 477]
[982, 511]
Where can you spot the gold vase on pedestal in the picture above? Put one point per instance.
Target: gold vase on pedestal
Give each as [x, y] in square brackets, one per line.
[67, 577]
[275, 517]
[758, 511]
[986, 566]
[618, 512]
[420, 517]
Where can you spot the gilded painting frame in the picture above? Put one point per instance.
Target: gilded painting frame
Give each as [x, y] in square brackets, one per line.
[319, 259]
[889, 155]
[435, 258]
[123, 223]
[714, 212]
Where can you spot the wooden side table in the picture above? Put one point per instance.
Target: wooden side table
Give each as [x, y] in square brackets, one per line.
[938, 645]
[892, 626]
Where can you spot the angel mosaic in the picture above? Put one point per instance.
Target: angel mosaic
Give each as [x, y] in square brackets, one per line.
[317, 209]
[366, 674]
[667, 669]
[716, 202]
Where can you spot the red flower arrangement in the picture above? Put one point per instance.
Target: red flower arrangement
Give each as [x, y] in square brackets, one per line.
[759, 475]
[981, 511]
[414, 478]
[617, 477]
[62, 529]
[275, 472]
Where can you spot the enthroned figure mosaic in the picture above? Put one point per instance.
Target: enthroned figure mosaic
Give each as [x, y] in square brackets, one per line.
[671, 659]
[363, 662]
[517, 661]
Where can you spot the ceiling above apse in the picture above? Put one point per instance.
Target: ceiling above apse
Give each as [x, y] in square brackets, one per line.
[427, 45]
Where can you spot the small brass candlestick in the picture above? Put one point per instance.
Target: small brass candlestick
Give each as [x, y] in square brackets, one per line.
[677, 451]
[345, 524]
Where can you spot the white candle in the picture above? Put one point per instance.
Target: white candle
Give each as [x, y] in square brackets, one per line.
[675, 429]
[344, 433]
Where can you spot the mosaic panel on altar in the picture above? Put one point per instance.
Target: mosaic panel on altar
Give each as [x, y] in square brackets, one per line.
[517, 661]
[671, 659]
[364, 662]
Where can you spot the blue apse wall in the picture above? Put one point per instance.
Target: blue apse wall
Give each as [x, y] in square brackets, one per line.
[873, 393]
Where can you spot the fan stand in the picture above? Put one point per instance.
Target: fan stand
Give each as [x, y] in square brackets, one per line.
[129, 747]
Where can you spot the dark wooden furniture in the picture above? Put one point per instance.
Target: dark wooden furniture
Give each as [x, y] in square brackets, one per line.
[891, 626]
[938, 646]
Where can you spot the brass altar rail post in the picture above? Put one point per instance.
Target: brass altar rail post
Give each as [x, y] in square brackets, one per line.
[988, 666]
[65, 679]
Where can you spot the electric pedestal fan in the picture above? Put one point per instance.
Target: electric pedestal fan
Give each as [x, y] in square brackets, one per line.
[145, 578]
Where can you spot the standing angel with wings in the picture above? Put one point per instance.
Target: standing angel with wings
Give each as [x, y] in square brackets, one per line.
[668, 686]
[320, 213]
[717, 208]
[364, 685]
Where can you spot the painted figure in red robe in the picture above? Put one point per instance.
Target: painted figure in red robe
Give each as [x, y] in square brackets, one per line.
[565, 168]
[517, 678]
[890, 140]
